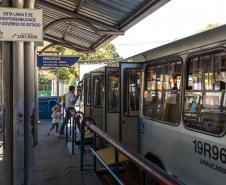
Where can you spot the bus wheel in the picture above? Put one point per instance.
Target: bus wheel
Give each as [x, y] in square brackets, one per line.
[154, 159]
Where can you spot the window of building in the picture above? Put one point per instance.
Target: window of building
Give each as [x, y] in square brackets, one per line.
[162, 95]
[98, 91]
[131, 91]
[113, 91]
[204, 105]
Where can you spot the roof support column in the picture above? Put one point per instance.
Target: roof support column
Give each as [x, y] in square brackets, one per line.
[13, 101]
[36, 113]
[7, 52]
[29, 98]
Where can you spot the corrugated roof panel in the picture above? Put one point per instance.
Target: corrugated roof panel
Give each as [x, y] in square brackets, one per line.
[61, 26]
[66, 4]
[79, 40]
[86, 24]
[76, 40]
[56, 33]
[81, 27]
[85, 34]
[51, 11]
[48, 20]
[110, 12]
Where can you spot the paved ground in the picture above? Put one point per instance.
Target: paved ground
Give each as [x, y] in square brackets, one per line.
[1, 158]
[54, 163]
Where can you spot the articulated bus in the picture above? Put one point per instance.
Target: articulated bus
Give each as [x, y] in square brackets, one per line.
[101, 98]
[172, 106]
[183, 107]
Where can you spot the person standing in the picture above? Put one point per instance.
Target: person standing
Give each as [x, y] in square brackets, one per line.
[55, 119]
[69, 107]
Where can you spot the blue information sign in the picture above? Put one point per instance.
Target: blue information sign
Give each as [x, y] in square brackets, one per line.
[56, 61]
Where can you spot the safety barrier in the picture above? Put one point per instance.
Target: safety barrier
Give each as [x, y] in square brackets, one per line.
[1, 120]
[72, 129]
[146, 166]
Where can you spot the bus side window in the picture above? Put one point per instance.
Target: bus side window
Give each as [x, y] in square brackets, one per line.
[206, 82]
[162, 95]
[193, 106]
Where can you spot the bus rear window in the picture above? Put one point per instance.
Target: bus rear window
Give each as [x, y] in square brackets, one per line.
[204, 102]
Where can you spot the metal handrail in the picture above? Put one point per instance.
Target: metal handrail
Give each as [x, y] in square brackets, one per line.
[106, 166]
[73, 122]
[1, 121]
[146, 165]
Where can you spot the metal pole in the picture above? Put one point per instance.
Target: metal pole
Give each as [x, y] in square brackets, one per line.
[118, 181]
[73, 135]
[7, 109]
[58, 81]
[94, 148]
[82, 146]
[28, 102]
[36, 113]
[28, 107]
[13, 107]
[18, 113]
[116, 161]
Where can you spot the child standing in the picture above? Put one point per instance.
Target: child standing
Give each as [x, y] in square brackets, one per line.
[55, 119]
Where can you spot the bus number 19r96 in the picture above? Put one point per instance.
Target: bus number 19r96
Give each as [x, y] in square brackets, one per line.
[210, 151]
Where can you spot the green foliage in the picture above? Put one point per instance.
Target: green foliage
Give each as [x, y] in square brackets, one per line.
[72, 73]
[109, 52]
[45, 80]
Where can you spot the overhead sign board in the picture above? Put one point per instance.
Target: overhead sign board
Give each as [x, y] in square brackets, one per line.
[21, 25]
[56, 61]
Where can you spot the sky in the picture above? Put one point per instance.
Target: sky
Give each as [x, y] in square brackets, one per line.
[177, 19]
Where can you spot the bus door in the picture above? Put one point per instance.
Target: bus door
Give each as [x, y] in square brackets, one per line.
[97, 98]
[112, 101]
[130, 77]
[87, 95]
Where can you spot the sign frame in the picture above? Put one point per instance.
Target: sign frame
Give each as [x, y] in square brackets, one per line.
[18, 23]
[56, 60]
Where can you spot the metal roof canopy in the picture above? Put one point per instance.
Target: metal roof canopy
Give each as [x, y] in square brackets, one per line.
[85, 25]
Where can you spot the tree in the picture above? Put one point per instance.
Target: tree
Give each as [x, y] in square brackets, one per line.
[108, 52]
[45, 80]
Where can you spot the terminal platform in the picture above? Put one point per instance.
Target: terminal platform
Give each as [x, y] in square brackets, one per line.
[55, 164]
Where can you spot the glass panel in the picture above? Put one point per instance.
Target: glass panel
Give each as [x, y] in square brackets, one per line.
[88, 91]
[132, 90]
[204, 105]
[162, 105]
[98, 91]
[113, 92]
[162, 96]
